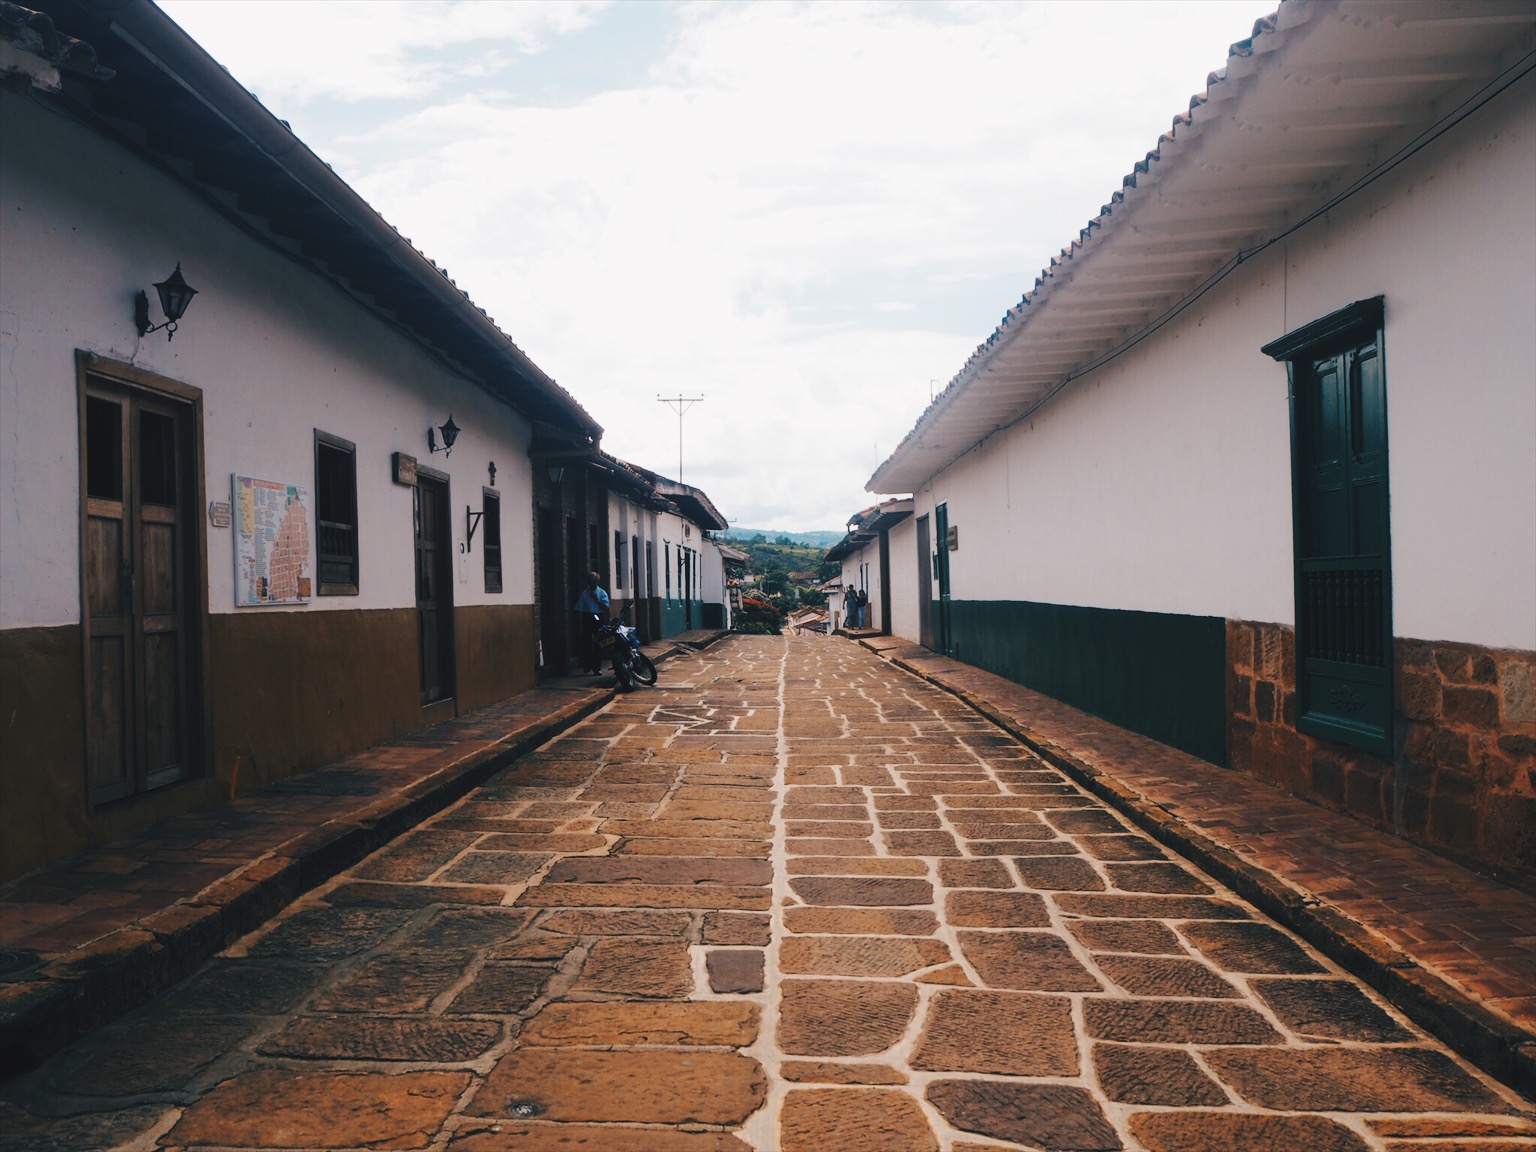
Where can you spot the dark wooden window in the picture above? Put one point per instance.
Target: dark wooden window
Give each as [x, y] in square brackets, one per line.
[336, 511]
[618, 559]
[1343, 569]
[490, 529]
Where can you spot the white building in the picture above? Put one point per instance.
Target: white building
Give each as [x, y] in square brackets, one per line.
[234, 555]
[1252, 469]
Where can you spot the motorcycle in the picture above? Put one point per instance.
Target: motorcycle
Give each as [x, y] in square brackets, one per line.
[620, 644]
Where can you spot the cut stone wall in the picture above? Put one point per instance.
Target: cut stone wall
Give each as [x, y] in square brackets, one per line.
[1463, 777]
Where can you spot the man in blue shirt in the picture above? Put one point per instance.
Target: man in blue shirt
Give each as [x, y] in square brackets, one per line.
[592, 610]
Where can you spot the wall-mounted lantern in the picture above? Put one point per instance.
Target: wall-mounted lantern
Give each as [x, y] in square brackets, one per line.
[556, 474]
[450, 432]
[491, 468]
[175, 294]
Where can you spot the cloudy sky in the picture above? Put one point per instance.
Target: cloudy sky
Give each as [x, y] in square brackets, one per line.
[808, 214]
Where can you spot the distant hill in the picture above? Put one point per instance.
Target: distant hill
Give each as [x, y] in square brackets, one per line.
[807, 539]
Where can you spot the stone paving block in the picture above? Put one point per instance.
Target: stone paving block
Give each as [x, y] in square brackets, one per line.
[369, 893]
[621, 922]
[1156, 877]
[855, 812]
[860, 955]
[831, 1072]
[861, 890]
[533, 1136]
[996, 910]
[275, 1109]
[910, 820]
[226, 987]
[471, 928]
[1250, 947]
[1121, 847]
[642, 1086]
[1058, 873]
[737, 928]
[1031, 961]
[326, 935]
[533, 944]
[865, 921]
[696, 846]
[1426, 1126]
[1025, 1035]
[1163, 1076]
[494, 867]
[627, 967]
[825, 847]
[396, 981]
[1145, 937]
[1110, 906]
[901, 803]
[953, 787]
[974, 874]
[843, 1017]
[1176, 1022]
[734, 970]
[1331, 1009]
[414, 856]
[846, 866]
[1354, 1080]
[1002, 826]
[921, 844]
[502, 988]
[759, 831]
[853, 1120]
[694, 810]
[645, 896]
[1242, 1132]
[951, 974]
[1085, 821]
[1042, 847]
[357, 1037]
[27, 1132]
[727, 1024]
[150, 1051]
[1165, 976]
[1052, 1116]
[693, 870]
[572, 842]
[835, 829]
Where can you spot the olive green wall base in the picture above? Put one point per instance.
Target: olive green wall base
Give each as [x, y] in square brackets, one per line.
[1159, 674]
[287, 692]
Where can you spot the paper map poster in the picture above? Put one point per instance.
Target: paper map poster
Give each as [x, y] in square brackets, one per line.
[271, 542]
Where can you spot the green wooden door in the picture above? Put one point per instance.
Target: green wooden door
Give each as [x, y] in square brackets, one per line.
[942, 639]
[1343, 570]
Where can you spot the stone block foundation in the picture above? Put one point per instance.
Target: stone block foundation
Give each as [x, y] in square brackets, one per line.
[1462, 779]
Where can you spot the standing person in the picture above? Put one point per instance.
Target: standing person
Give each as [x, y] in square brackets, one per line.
[863, 608]
[592, 610]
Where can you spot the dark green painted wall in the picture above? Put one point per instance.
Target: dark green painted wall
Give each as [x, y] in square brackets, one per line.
[1156, 673]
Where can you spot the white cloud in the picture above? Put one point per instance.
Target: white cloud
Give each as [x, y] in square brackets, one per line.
[805, 213]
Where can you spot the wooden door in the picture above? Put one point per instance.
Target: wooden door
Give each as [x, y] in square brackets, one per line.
[924, 584]
[943, 642]
[138, 556]
[551, 592]
[434, 588]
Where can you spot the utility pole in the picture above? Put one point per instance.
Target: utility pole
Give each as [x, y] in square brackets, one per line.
[682, 404]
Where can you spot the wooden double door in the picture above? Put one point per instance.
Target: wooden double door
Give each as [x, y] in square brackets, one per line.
[141, 588]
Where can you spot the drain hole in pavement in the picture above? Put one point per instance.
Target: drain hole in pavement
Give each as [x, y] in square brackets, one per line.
[523, 1109]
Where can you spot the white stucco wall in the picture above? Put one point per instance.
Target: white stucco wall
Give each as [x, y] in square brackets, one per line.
[1162, 481]
[276, 351]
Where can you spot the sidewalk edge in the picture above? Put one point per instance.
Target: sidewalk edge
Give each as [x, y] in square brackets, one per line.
[1499, 1047]
[90, 986]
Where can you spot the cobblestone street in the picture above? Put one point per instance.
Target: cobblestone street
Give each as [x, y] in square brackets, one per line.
[792, 899]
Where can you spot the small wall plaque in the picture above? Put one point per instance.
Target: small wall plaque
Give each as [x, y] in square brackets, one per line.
[218, 514]
[954, 539]
[405, 469]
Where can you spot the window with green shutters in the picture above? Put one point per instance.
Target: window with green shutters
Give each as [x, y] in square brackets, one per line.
[1342, 551]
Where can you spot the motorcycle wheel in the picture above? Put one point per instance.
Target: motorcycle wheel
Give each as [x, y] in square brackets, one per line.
[622, 674]
[642, 668]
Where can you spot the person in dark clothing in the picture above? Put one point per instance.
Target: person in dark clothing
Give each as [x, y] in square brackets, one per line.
[591, 611]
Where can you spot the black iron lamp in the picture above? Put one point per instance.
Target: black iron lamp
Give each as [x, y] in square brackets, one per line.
[450, 432]
[175, 294]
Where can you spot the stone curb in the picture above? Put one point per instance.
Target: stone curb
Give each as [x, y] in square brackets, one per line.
[89, 987]
[1499, 1047]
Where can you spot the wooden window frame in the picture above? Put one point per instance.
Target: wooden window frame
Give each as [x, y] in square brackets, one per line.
[490, 535]
[327, 442]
